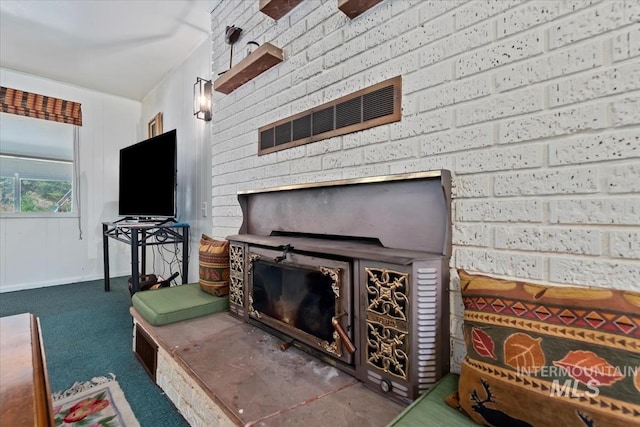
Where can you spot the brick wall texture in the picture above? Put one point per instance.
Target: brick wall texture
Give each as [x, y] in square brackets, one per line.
[534, 106]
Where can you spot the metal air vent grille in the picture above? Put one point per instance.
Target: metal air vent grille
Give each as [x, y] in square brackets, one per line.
[267, 138]
[349, 112]
[302, 127]
[378, 104]
[373, 106]
[283, 133]
[322, 121]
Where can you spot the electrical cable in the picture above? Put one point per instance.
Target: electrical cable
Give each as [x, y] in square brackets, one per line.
[167, 256]
[76, 172]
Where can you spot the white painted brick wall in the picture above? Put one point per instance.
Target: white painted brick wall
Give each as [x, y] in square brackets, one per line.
[560, 63]
[561, 240]
[604, 273]
[515, 264]
[619, 211]
[474, 11]
[597, 20]
[623, 178]
[471, 235]
[557, 123]
[499, 53]
[595, 84]
[547, 182]
[500, 159]
[473, 186]
[442, 95]
[425, 34]
[456, 43]
[625, 244]
[534, 106]
[595, 148]
[457, 140]
[627, 44]
[626, 111]
[499, 106]
[511, 22]
[492, 210]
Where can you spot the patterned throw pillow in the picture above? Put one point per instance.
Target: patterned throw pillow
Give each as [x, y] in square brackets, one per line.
[214, 265]
[549, 356]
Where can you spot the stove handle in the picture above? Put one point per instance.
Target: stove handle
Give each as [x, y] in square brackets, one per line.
[348, 345]
[285, 250]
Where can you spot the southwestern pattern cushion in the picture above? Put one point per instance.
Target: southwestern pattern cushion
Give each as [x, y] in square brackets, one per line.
[549, 356]
[214, 265]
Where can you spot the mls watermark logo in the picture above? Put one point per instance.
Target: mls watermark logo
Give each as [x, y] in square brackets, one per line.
[570, 389]
[592, 378]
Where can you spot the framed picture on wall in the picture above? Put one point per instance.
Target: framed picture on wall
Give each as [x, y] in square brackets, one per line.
[155, 125]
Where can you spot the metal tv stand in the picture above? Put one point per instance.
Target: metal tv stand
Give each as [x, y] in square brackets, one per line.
[139, 235]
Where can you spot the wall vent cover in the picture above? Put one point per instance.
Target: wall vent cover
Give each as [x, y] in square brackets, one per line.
[372, 106]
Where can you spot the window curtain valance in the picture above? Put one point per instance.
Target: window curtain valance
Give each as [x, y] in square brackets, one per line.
[39, 106]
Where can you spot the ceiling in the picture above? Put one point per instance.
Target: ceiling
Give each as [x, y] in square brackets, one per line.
[121, 47]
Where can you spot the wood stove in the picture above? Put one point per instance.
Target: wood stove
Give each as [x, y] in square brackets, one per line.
[354, 272]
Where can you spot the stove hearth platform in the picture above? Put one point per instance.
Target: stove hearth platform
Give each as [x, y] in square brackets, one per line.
[221, 371]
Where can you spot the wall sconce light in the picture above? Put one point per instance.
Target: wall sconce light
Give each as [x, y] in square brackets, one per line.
[202, 99]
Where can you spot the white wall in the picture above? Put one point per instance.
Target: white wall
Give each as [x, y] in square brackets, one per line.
[174, 98]
[533, 106]
[37, 251]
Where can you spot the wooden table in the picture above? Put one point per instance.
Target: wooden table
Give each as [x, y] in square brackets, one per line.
[25, 394]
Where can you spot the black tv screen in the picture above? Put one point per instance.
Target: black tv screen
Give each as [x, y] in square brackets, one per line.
[148, 175]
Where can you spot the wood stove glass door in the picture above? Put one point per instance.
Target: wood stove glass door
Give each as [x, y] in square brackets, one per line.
[305, 297]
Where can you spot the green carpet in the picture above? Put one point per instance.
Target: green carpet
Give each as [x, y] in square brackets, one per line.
[87, 332]
[430, 410]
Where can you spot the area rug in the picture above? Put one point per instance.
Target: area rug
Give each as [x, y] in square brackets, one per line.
[99, 402]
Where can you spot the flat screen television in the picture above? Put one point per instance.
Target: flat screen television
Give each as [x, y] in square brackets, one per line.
[148, 175]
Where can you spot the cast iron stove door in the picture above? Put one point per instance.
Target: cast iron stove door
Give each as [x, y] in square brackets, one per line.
[305, 297]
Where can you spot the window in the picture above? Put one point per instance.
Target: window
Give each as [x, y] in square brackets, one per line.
[36, 166]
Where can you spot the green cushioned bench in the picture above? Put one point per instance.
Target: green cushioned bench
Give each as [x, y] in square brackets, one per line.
[431, 410]
[176, 303]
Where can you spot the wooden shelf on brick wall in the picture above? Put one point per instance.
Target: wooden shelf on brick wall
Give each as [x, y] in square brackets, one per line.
[277, 8]
[353, 8]
[259, 61]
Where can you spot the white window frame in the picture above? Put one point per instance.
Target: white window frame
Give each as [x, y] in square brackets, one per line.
[11, 150]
